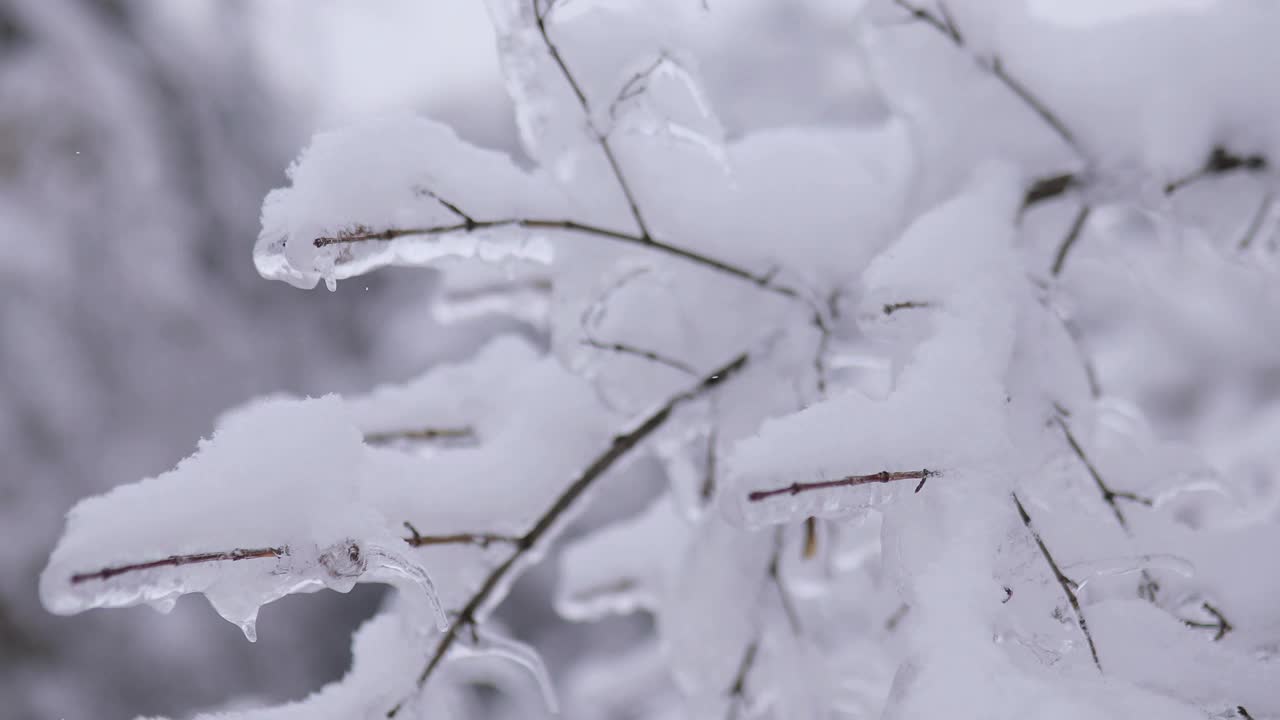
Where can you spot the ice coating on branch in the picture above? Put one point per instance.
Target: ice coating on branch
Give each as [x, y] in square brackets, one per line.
[397, 174]
[247, 519]
[486, 642]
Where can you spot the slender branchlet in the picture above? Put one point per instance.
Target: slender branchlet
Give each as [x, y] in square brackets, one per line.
[622, 444]
[1110, 496]
[107, 573]
[459, 433]
[738, 690]
[891, 308]
[632, 350]
[1259, 219]
[1047, 188]
[1243, 713]
[709, 464]
[945, 24]
[602, 139]
[361, 234]
[1220, 625]
[451, 207]
[1068, 585]
[1219, 162]
[1068, 242]
[849, 481]
[481, 539]
[775, 577]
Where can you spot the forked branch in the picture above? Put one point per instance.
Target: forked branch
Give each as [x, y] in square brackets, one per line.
[622, 445]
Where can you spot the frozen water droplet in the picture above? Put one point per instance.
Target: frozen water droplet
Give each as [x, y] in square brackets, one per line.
[331, 283]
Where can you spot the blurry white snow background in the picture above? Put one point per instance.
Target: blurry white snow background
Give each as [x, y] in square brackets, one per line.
[137, 139]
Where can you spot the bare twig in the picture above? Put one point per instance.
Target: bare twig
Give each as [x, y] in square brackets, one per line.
[709, 466]
[626, 349]
[602, 139]
[891, 308]
[1243, 713]
[622, 444]
[1068, 585]
[483, 540]
[947, 26]
[784, 597]
[107, 573]
[360, 234]
[738, 690]
[850, 481]
[1108, 495]
[424, 434]
[1259, 218]
[1047, 188]
[1073, 234]
[1219, 162]
[1220, 625]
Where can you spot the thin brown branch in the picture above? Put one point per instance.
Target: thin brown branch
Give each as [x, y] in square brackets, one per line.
[483, 540]
[775, 577]
[850, 481]
[1109, 495]
[178, 560]
[891, 308]
[622, 444]
[1219, 162]
[1073, 234]
[1259, 218]
[1220, 624]
[602, 139]
[1243, 713]
[709, 465]
[420, 434]
[650, 355]
[361, 234]
[1068, 585]
[738, 690]
[946, 25]
[1047, 188]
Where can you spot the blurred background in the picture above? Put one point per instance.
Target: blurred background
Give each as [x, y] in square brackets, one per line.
[137, 139]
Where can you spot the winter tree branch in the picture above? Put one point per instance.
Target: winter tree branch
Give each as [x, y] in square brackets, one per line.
[621, 446]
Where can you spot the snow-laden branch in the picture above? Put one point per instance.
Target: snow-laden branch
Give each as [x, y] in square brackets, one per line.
[622, 444]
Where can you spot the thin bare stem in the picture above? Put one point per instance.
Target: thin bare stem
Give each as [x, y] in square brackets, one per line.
[650, 355]
[601, 138]
[107, 573]
[1073, 234]
[1108, 495]
[1047, 188]
[483, 540]
[1220, 624]
[1219, 162]
[850, 481]
[1259, 218]
[946, 25]
[365, 235]
[1068, 585]
[622, 444]
[784, 597]
[421, 434]
[738, 690]
[891, 308]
